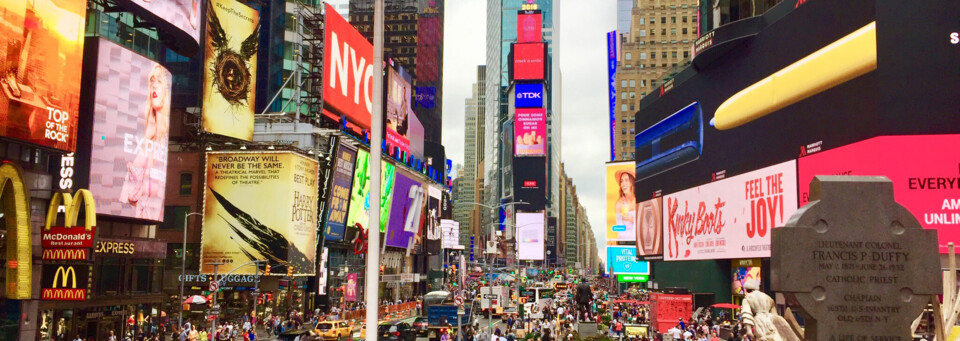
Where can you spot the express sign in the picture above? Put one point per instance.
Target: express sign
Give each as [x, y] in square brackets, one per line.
[528, 96]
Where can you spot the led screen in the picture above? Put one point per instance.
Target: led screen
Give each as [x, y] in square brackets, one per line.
[348, 70]
[360, 194]
[528, 61]
[621, 203]
[529, 27]
[181, 15]
[530, 129]
[340, 192]
[530, 238]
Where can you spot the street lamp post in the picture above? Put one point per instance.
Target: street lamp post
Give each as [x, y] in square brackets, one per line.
[183, 266]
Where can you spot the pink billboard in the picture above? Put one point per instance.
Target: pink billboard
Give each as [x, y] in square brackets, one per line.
[350, 289]
[923, 169]
[729, 218]
[530, 129]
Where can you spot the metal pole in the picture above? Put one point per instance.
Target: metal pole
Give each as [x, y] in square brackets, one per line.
[256, 297]
[183, 266]
[215, 266]
[376, 137]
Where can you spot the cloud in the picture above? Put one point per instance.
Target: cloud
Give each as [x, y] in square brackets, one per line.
[464, 40]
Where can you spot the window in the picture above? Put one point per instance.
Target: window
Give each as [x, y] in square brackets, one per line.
[633, 94]
[653, 21]
[623, 131]
[684, 31]
[686, 54]
[629, 56]
[643, 82]
[623, 143]
[633, 83]
[663, 20]
[623, 119]
[673, 20]
[623, 84]
[623, 107]
[623, 95]
[643, 55]
[664, 54]
[173, 217]
[673, 31]
[663, 31]
[684, 19]
[643, 33]
[653, 55]
[643, 94]
[632, 109]
[186, 183]
[640, 21]
[674, 53]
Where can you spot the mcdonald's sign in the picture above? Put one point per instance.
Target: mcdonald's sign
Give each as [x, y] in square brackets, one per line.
[68, 242]
[65, 282]
[14, 196]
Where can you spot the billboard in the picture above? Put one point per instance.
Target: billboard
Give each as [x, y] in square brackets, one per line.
[743, 274]
[405, 213]
[924, 175]
[451, 233]
[346, 159]
[360, 194]
[612, 87]
[528, 95]
[529, 61]
[348, 70]
[131, 125]
[730, 218]
[623, 260]
[230, 69]
[350, 289]
[260, 205]
[650, 228]
[530, 129]
[530, 238]
[529, 27]
[432, 223]
[66, 282]
[400, 117]
[621, 203]
[179, 19]
[41, 46]
[530, 183]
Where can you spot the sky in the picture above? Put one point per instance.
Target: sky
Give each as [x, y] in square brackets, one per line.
[582, 47]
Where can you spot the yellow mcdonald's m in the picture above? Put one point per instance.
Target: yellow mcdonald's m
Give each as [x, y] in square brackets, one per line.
[72, 206]
[15, 200]
[68, 274]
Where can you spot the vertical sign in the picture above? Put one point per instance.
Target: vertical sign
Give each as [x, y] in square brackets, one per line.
[340, 193]
[229, 88]
[350, 291]
[612, 79]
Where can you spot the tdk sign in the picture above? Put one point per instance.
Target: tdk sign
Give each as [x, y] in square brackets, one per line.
[529, 96]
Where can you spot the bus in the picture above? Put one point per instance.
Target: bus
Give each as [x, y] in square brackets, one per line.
[537, 294]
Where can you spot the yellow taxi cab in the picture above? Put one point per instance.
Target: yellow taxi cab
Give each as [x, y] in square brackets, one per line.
[333, 330]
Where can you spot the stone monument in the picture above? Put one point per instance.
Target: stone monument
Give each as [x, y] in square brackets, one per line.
[857, 265]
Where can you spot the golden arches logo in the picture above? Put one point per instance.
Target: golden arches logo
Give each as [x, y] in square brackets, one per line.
[15, 200]
[72, 206]
[65, 254]
[68, 274]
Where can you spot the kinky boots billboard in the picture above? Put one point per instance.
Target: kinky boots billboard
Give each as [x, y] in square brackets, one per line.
[68, 249]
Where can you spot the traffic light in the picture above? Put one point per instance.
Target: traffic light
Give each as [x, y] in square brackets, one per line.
[266, 270]
[290, 270]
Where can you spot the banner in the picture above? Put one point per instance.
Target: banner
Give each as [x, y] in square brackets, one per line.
[405, 213]
[131, 128]
[650, 229]
[623, 260]
[230, 68]
[923, 169]
[360, 194]
[340, 192]
[730, 218]
[350, 289]
[612, 89]
[621, 203]
[530, 128]
[260, 205]
[530, 238]
[348, 70]
[41, 43]
[432, 225]
[400, 118]
[451, 233]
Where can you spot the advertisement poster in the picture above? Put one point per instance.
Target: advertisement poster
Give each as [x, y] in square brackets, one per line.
[400, 115]
[405, 213]
[433, 231]
[41, 46]
[350, 290]
[743, 274]
[528, 95]
[730, 218]
[360, 194]
[182, 14]
[623, 261]
[131, 127]
[922, 167]
[260, 205]
[621, 203]
[528, 61]
[530, 239]
[230, 68]
[348, 69]
[530, 129]
[612, 89]
[346, 159]
[529, 27]
[650, 228]
[451, 233]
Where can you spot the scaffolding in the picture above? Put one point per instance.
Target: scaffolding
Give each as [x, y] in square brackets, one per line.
[311, 34]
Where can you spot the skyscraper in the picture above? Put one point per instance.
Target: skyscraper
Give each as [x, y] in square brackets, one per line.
[469, 181]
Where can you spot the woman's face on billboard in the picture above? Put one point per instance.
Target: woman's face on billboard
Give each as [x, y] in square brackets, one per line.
[158, 89]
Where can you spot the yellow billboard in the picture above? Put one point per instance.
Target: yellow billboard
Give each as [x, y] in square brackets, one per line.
[230, 68]
[621, 203]
[259, 206]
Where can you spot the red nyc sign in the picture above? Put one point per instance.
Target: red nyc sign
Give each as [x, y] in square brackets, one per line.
[348, 70]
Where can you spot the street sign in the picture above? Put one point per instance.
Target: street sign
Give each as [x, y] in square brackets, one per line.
[215, 307]
[213, 312]
[632, 278]
[490, 296]
[458, 300]
[214, 285]
[460, 311]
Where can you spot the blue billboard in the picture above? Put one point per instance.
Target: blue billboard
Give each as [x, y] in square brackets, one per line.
[612, 79]
[528, 96]
[623, 260]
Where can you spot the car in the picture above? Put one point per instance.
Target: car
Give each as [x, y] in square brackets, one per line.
[298, 335]
[509, 311]
[333, 330]
[397, 331]
[420, 325]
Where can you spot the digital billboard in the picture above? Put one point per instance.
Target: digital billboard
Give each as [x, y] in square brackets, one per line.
[360, 194]
[529, 27]
[530, 183]
[400, 118]
[742, 275]
[922, 167]
[451, 233]
[230, 68]
[650, 228]
[530, 236]
[528, 61]
[179, 19]
[530, 129]
[612, 89]
[348, 70]
[405, 214]
[623, 261]
[259, 205]
[342, 178]
[730, 218]
[131, 128]
[528, 95]
[66, 282]
[621, 214]
[41, 46]
[432, 223]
